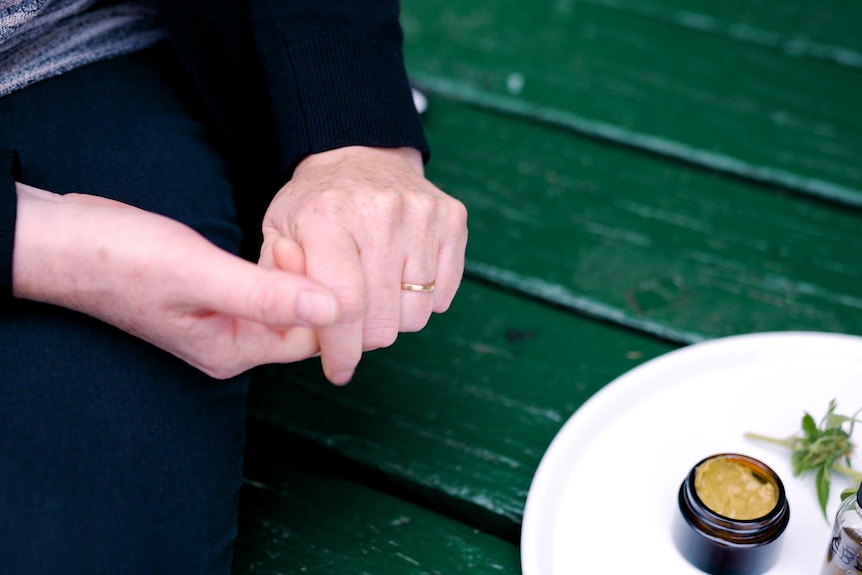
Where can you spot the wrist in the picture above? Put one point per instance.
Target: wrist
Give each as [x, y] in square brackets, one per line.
[50, 255]
[32, 262]
[366, 154]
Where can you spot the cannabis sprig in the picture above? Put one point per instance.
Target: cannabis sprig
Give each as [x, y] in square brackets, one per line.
[821, 449]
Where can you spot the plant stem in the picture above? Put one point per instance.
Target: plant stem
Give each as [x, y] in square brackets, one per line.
[849, 472]
[787, 442]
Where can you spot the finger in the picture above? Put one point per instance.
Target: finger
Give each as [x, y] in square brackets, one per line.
[420, 269]
[288, 256]
[383, 269]
[332, 258]
[450, 273]
[274, 298]
[261, 345]
[249, 344]
[450, 259]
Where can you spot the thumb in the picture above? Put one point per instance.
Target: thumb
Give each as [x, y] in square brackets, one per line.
[288, 255]
[272, 297]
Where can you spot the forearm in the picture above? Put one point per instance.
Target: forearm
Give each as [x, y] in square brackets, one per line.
[33, 211]
[64, 250]
[159, 280]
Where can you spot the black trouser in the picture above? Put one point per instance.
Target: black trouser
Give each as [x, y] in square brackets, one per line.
[116, 457]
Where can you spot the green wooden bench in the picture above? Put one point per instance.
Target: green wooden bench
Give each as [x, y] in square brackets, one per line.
[640, 175]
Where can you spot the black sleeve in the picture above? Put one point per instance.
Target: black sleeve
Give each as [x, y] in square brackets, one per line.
[335, 73]
[8, 209]
[311, 75]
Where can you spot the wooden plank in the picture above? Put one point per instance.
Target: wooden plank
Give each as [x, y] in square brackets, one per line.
[731, 106]
[683, 253]
[299, 515]
[827, 30]
[458, 416]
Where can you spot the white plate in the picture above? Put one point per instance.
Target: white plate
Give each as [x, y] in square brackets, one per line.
[604, 495]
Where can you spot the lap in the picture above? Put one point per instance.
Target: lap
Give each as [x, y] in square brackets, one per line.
[130, 129]
[116, 457]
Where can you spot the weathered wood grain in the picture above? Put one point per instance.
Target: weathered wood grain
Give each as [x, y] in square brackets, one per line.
[827, 30]
[299, 515]
[682, 253]
[459, 415]
[680, 92]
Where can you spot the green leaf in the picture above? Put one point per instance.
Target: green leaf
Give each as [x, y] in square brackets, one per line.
[809, 427]
[823, 480]
[822, 449]
[800, 465]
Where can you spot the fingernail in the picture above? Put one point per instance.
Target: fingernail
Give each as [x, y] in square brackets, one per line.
[316, 308]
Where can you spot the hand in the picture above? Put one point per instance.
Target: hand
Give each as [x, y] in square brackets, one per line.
[361, 221]
[161, 281]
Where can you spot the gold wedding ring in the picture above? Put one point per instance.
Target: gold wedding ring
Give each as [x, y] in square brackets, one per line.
[417, 287]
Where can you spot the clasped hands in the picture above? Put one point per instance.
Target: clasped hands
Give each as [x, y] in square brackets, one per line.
[362, 221]
[339, 240]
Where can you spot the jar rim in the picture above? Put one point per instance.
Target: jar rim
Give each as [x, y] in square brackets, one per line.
[738, 531]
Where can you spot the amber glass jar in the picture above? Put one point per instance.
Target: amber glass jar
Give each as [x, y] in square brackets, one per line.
[844, 554]
[718, 543]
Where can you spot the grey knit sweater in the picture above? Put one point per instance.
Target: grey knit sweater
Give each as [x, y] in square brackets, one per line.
[44, 38]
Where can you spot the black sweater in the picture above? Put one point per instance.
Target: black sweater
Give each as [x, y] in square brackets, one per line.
[282, 79]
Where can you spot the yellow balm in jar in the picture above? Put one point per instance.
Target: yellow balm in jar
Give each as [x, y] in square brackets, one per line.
[732, 489]
[732, 512]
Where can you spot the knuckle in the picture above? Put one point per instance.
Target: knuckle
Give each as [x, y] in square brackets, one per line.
[426, 202]
[262, 301]
[352, 306]
[442, 306]
[414, 324]
[379, 336]
[457, 213]
[387, 202]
